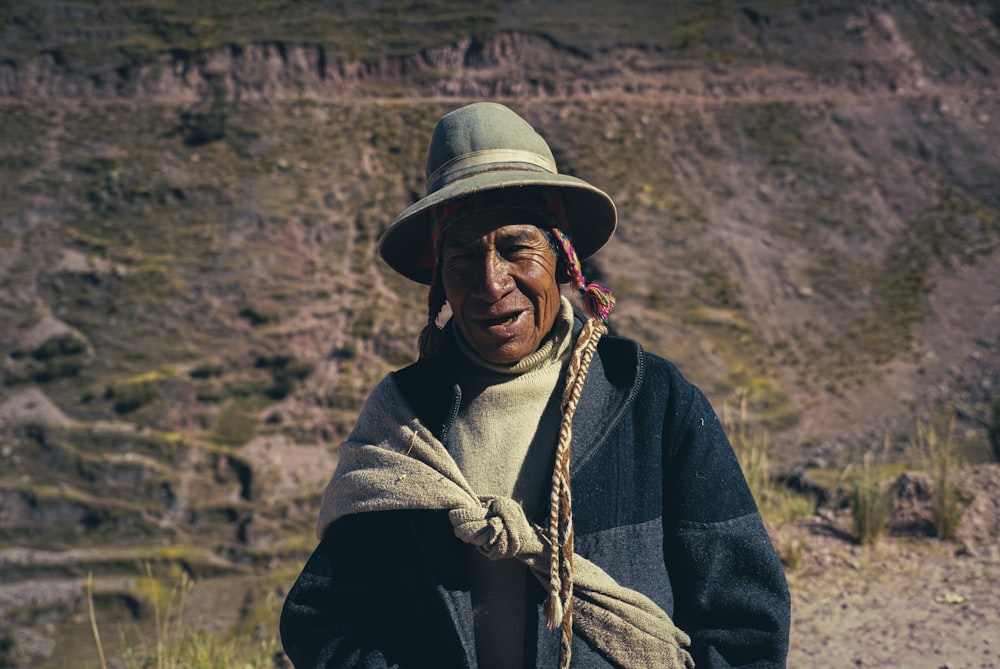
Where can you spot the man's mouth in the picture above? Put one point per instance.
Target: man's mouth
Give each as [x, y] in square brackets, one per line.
[503, 325]
[502, 320]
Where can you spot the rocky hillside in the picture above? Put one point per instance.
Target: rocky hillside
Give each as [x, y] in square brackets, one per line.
[191, 309]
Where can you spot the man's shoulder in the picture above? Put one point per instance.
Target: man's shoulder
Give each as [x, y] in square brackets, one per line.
[618, 350]
[651, 373]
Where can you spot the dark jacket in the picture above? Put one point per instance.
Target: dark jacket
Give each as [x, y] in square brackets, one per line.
[659, 502]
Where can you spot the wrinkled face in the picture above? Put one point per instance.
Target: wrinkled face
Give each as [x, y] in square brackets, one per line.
[499, 277]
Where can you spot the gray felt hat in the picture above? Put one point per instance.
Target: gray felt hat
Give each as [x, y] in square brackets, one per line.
[484, 147]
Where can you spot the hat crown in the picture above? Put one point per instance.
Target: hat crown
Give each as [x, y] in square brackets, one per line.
[472, 138]
[486, 147]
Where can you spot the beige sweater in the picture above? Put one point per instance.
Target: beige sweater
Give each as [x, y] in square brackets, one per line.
[503, 442]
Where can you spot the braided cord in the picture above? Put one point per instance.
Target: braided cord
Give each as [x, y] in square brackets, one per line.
[559, 606]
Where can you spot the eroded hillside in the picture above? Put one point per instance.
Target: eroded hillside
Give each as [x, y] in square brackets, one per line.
[192, 311]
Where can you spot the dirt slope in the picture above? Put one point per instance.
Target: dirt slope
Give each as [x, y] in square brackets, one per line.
[191, 310]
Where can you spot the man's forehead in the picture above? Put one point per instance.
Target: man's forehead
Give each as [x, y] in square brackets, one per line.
[504, 227]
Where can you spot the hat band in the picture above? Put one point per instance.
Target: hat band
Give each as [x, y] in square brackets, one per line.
[455, 168]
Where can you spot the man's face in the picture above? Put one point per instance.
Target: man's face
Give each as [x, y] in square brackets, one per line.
[499, 277]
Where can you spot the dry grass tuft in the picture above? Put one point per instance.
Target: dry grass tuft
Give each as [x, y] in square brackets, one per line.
[776, 502]
[942, 462]
[870, 500]
[175, 643]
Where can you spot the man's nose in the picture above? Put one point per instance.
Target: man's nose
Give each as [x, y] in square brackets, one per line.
[495, 279]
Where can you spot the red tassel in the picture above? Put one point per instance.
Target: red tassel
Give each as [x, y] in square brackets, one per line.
[598, 301]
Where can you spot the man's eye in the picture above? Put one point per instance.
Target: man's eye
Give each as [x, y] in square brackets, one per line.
[460, 256]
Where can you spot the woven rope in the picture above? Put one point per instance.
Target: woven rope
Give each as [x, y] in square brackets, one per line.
[559, 607]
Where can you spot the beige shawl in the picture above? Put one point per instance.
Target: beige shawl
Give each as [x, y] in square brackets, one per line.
[392, 462]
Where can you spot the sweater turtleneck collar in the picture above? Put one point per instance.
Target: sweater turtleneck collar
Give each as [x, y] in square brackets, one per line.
[553, 349]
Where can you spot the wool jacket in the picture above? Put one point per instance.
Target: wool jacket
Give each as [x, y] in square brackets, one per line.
[659, 502]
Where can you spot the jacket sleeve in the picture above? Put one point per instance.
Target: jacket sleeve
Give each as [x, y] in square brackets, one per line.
[325, 622]
[730, 591]
[365, 599]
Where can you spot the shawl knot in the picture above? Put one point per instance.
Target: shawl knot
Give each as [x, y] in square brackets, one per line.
[497, 527]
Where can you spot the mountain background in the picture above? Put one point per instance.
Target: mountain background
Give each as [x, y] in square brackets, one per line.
[192, 310]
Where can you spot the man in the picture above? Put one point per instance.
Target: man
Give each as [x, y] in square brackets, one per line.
[448, 535]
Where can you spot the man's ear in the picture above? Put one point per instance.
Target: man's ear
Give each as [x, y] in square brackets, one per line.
[562, 271]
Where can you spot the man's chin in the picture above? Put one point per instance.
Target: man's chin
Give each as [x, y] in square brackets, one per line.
[506, 352]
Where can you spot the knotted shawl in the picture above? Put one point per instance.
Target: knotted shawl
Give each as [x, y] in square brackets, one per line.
[391, 462]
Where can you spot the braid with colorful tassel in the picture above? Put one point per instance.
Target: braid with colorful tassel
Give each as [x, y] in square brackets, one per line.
[598, 301]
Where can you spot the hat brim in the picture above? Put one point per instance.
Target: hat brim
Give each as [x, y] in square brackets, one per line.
[590, 214]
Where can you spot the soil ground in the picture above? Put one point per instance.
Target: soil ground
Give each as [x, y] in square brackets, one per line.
[903, 601]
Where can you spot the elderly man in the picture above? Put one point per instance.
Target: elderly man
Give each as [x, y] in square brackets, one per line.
[448, 535]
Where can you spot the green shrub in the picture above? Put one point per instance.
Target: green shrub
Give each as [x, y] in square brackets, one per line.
[286, 373]
[134, 392]
[237, 422]
[129, 397]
